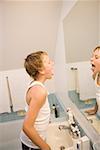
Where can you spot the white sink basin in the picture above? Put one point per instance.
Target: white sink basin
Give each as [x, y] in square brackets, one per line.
[57, 138]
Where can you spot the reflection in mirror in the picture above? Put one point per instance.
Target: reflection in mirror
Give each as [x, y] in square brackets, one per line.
[81, 30]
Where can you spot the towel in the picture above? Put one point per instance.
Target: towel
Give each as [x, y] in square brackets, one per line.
[85, 81]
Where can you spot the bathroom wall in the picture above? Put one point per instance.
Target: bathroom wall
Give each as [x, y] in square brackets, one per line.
[60, 60]
[81, 29]
[99, 23]
[1, 34]
[27, 26]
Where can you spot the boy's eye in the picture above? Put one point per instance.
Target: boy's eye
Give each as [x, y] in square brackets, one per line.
[97, 57]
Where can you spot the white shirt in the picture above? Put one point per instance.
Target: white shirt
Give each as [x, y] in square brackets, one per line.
[41, 122]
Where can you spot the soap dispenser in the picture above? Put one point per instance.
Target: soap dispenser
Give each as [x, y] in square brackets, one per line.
[70, 116]
[55, 111]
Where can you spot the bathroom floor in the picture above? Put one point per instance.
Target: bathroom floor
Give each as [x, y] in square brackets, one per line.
[84, 105]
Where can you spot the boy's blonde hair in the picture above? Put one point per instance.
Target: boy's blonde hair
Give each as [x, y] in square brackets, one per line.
[34, 63]
[97, 48]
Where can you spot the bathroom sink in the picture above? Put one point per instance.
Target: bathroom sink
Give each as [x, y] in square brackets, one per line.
[59, 139]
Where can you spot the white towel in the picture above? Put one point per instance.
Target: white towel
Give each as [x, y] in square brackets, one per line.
[18, 81]
[86, 83]
[4, 98]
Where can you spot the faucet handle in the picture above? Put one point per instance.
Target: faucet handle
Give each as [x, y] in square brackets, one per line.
[70, 116]
[75, 130]
[68, 109]
[63, 127]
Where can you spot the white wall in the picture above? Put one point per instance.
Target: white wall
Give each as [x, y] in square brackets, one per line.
[1, 34]
[13, 89]
[25, 26]
[28, 26]
[99, 24]
[81, 28]
[60, 60]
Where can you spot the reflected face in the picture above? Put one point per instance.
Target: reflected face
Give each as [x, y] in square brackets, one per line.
[95, 61]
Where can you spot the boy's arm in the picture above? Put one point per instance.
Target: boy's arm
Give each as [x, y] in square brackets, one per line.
[38, 97]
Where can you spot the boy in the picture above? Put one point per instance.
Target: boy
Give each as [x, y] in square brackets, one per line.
[33, 135]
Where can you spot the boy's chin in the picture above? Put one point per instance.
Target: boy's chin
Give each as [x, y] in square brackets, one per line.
[95, 72]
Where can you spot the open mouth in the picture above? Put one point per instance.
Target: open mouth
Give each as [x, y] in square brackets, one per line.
[93, 65]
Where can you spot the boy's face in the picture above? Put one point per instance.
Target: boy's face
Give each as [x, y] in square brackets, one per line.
[48, 67]
[95, 61]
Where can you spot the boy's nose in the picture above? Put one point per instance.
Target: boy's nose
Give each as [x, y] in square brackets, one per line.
[92, 58]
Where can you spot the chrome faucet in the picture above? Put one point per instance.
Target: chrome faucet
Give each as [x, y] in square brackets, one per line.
[72, 125]
[63, 127]
[73, 130]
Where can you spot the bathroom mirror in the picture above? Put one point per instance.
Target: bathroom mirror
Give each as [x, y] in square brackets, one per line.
[81, 36]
